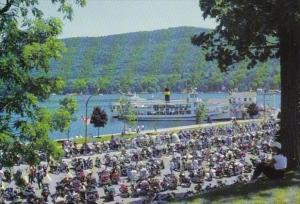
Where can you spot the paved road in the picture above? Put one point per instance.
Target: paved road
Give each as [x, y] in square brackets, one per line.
[52, 179]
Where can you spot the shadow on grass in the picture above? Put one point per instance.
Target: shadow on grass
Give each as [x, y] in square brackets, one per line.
[246, 191]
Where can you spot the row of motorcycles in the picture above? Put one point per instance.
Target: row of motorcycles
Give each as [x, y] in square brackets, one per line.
[93, 148]
[77, 164]
[27, 193]
[77, 189]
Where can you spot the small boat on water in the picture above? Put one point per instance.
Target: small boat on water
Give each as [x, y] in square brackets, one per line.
[184, 109]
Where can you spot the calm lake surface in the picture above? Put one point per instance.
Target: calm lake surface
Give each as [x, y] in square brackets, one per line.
[114, 126]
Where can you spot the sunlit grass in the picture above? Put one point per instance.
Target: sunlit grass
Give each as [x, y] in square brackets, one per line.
[239, 201]
[258, 200]
[103, 138]
[297, 198]
[284, 191]
[280, 196]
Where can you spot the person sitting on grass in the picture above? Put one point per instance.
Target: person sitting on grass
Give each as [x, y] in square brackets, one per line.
[274, 168]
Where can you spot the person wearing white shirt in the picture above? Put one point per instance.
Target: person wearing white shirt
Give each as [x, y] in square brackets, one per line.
[274, 168]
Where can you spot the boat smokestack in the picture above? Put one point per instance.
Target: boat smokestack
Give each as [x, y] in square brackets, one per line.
[167, 94]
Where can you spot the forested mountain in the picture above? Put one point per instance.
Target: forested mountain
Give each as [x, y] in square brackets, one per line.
[150, 61]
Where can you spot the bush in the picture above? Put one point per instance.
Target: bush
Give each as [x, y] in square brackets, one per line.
[252, 110]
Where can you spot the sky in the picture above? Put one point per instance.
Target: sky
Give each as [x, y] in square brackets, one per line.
[108, 17]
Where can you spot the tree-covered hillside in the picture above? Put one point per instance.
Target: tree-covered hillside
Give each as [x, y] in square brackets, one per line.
[150, 61]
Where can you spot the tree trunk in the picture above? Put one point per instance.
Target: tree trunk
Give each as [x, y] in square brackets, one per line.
[124, 126]
[290, 92]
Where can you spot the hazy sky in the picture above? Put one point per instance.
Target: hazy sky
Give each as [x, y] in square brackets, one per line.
[106, 17]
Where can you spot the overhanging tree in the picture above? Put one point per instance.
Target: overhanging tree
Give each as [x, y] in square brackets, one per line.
[99, 118]
[61, 120]
[28, 40]
[256, 31]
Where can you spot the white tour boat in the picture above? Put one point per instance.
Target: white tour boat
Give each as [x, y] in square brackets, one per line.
[184, 109]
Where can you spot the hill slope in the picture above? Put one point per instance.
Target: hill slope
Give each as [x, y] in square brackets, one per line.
[150, 61]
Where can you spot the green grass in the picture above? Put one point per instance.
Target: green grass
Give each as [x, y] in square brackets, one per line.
[103, 138]
[264, 191]
[297, 199]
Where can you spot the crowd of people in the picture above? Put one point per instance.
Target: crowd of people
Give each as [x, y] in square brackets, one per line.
[153, 168]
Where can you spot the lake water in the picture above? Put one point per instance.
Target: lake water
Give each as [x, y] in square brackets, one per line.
[115, 126]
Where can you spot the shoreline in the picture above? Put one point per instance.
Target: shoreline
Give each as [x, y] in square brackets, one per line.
[151, 132]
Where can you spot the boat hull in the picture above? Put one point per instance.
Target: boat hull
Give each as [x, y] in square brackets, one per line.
[190, 117]
[166, 117]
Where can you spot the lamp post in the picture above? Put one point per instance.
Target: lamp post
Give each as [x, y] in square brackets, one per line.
[137, 116]
[264, 104]
[86, 117]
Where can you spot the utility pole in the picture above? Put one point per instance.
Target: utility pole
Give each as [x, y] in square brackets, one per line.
[264, 104]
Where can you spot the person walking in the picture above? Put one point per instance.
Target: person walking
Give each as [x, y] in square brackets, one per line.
[172, 167]
[40, 176]
[31, 174]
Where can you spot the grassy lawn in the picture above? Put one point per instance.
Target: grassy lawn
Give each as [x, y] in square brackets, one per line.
[263, 191]
[103, 138]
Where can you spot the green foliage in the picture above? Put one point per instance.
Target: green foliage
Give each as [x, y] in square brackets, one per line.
[8, 153]
[150, 61]
[124, 105]
[103, 138]
[61, 120]
[80, 85]
[28, 43]
[201, 113]
[195, 78]
[171, 80]
[127, 112]
[54, 149]
[37, 128]
[280, 191]
[125, 82]
[131, 116]
[238, 36]
[70, 105]
[33, 137]
[103, 83]
[149, 83]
